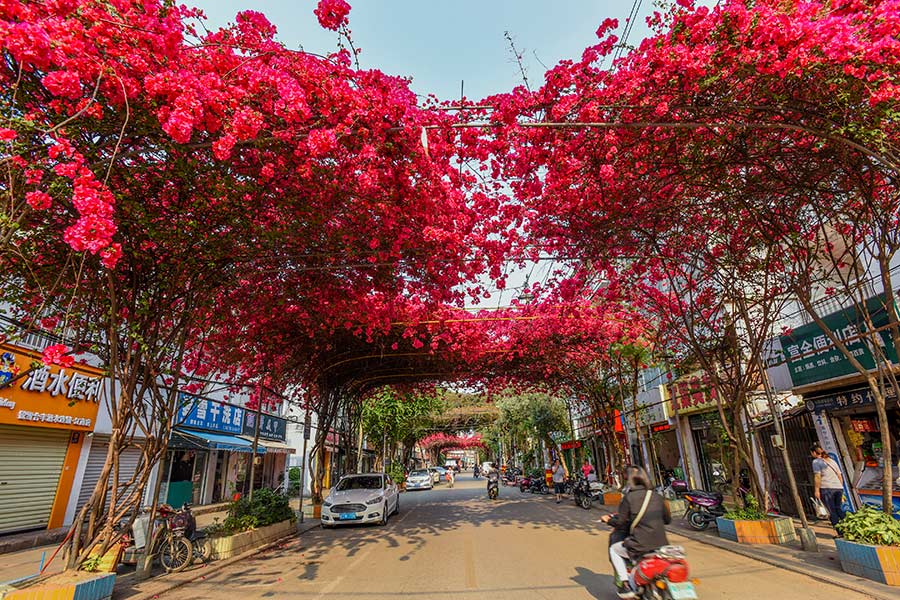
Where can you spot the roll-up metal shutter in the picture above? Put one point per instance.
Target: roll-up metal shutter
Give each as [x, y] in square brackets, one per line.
[128, 464]
[31, 461]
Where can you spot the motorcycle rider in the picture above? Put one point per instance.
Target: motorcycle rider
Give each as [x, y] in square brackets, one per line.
[640, 524]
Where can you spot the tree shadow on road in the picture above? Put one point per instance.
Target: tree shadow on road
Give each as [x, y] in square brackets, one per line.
[598, 585]
[419, 521]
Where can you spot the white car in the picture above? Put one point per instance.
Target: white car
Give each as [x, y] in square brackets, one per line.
[420, 479]
[363, 498]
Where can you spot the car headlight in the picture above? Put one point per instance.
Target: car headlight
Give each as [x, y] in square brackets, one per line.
[377, 500]
[327, 502]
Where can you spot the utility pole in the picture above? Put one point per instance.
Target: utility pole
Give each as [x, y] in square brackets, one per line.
[255, 439]
[807, 535]
[307, 428]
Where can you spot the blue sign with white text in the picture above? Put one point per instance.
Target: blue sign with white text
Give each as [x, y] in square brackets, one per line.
[199, 413]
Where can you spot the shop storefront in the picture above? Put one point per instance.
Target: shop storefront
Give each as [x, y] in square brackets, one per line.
[840, 405]
[848, 418]
[658, 435]
[270, 471]
[207, 457]
[706, 448]
[45, 414]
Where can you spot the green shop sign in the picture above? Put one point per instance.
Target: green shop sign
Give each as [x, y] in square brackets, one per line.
[812, 358]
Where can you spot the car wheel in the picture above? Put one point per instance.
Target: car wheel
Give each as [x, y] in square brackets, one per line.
[384, 514]
[397, 506]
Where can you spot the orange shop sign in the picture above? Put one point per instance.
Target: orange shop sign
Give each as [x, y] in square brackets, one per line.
[47, 396]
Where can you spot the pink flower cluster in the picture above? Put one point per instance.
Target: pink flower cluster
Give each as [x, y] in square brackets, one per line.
[57, 354]
[332, 13]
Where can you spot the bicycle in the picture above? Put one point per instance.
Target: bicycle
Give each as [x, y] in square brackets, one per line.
[169, 544]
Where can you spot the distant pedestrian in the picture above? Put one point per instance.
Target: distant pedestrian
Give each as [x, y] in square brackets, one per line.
[558, 473]
[829, 483]
[451, 477]
[587, 469]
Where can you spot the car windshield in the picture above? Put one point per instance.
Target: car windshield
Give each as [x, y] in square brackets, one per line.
[372, 482]
[418, 473]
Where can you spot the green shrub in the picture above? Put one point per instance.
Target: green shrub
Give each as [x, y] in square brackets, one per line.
[397, 472]
[870, 525]
[750, 512]
[266, 508]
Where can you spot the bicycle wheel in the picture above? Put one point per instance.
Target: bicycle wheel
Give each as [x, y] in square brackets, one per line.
[175, 554]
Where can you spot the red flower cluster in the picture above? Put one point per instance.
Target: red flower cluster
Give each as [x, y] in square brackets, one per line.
[57, 354]
[332, 13]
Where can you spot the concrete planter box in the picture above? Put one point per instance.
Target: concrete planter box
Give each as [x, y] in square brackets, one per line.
[777, 530]
[878, 563]
[612, 498]
[77, 585]
[226, 547]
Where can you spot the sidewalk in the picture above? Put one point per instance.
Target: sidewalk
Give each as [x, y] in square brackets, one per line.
[822, 565]
[128, 587]
[20, 554]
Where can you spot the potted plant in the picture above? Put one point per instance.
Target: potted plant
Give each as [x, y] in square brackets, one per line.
[252, 523]
[870, 546]
[751, 525]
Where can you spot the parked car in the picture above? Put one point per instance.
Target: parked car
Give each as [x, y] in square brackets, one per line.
[420, 479]
[442, 474]
[361, 498]
[435, 476]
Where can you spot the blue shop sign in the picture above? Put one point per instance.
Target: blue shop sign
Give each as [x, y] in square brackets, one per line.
[270, 428]
[849, 399]
[209, 415]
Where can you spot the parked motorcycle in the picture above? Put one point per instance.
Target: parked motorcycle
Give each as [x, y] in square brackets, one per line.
[539, 486]
[525, 483]
[663, 575]
[703, 508]
[673, 488]
[493, 484]
[169, 544]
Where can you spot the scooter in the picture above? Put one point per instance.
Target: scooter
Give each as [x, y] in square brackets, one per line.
[586, 492]
[659, 575]
[493, 485]
[539, 486]
[703, 508]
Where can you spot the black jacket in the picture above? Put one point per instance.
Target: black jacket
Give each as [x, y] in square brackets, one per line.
[650, 533]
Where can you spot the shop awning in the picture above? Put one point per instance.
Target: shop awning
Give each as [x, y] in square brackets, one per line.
[271, 445]
[219, 441]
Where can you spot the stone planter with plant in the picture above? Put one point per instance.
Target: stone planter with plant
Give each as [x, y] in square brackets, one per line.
[870, 546]
[751, 525]
[252, 523]
[398, 474]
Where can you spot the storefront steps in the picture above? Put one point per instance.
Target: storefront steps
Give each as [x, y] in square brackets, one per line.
[822, 565]
[31, 539]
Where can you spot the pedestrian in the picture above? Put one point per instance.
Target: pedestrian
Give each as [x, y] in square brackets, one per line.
[558, 473]
[451, 477]
[587, 469]
[828, 484]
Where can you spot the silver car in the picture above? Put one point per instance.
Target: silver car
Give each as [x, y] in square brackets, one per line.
[363, 498]
[420, 479]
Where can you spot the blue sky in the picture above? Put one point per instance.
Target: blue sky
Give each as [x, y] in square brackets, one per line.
[440, 43]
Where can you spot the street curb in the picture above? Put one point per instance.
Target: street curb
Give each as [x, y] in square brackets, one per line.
[864, 586]
[218, 565]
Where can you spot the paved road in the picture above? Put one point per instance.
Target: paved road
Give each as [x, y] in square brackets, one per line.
[456, 544]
